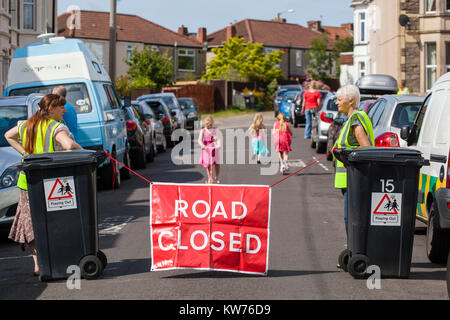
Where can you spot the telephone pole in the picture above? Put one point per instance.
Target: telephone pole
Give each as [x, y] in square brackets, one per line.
[112, 40]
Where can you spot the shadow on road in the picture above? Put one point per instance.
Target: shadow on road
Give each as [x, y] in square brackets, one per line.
[126, 267]
[271, 274]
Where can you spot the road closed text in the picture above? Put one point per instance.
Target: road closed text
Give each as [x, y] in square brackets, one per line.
[210, 227]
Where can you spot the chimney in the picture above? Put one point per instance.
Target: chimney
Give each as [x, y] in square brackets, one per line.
[231, 32]
[201, 37]
[183, 30]
[315, 25]
[347, 26]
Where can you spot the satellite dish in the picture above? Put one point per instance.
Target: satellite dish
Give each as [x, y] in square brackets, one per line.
[404, 20]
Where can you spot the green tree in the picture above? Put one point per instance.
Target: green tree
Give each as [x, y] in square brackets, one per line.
[320, 59]
[149, 69]
[341, 45]
[237, 61]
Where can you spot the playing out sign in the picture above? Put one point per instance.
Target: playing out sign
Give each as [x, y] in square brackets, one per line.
[60, 194]
[210, 227]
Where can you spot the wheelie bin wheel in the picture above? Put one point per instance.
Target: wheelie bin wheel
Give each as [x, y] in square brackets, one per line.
[91, 267]
[102, 258]
[357, 265]
[343, 259]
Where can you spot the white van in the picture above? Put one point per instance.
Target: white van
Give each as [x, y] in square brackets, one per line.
[40, 67]
[430, 134]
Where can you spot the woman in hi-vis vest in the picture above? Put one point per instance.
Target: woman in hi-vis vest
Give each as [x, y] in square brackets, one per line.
[356, 132]
[43, 132]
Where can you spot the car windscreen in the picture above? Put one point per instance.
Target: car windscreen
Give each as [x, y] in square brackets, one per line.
[156, 107]
[77, 95]
[187, 103]
[10, 116]
[331, 105]
[405, 114]
[169, 101]
[289, 96]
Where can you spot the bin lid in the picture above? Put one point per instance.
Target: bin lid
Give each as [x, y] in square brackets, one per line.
[384, 155]
[62, 159]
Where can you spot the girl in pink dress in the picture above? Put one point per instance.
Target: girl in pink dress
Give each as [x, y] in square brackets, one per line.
[210, 144]
[282, 138]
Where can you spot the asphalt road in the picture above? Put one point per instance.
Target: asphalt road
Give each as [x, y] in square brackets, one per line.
[307, 234]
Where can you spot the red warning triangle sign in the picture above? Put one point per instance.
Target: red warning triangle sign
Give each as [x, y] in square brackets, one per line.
[61, 189]
[387, 205]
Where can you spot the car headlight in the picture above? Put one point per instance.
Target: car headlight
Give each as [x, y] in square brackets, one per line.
[9, 177]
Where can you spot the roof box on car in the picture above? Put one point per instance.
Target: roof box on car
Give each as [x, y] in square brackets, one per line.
[377, 84]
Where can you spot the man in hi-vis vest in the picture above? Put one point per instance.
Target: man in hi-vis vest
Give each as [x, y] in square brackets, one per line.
[356, 132]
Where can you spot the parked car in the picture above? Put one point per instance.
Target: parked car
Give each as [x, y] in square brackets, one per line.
[286, 103]
[146, 114]
[321, 123]
[190, 111]
[140, 139]
[333, 133]
[365, 105]
[430, 134]
[163, 113]
[101, 122]
[389, 114]
[279, 95]
[171, 101]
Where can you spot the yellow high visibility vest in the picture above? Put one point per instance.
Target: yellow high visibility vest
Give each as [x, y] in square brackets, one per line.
[340, 178]
[43, 143]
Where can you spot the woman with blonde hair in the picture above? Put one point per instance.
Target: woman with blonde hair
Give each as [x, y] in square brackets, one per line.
[209, 143]
[43, 132]
[282, 138]
[257, 132]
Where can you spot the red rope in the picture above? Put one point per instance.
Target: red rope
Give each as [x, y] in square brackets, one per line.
[272, 185]
[109, 156]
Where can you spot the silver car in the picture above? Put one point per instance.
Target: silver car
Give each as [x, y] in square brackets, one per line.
[389, 114]
[170, 99]
[12, 110]
[321, 123]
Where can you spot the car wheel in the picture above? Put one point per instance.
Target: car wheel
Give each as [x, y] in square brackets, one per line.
[124, 172]
[139, 159]
[321, 147]
[151, 155]
[438, 240]
[110, 175]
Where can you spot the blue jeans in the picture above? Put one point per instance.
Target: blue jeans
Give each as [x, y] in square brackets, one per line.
[346, 210]
[308, 120]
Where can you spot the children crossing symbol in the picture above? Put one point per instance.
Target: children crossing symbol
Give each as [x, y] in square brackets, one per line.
[386, 209]
[60, 193]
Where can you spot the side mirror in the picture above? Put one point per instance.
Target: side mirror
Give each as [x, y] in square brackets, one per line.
[127, 101]
[405, 132]
[329, 116]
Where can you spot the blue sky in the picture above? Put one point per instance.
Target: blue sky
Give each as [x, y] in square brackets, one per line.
[217, 14]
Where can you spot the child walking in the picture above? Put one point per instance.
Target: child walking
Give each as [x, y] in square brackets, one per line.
[209, 143]
[257, 132]
[282, 138]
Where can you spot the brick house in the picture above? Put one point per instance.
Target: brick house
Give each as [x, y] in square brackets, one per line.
[293, 39]
[188, 53]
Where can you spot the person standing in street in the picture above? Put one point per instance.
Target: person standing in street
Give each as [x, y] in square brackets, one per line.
[311, 101]
[43, 132]
[403, 90]
[356, 132]
[209, 143]
[282, 138]
[70, 118]
[257, 132]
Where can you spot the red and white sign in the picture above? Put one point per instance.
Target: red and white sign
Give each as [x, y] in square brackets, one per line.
[60, 193]
[386, 209]
[210, 227]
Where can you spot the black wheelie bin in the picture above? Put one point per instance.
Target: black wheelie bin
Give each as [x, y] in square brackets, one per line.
[62, 191]
[382, 188]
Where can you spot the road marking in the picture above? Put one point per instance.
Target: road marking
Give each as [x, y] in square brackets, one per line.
[18, 257]
[296, 163]
[321, 165]
[113, 225]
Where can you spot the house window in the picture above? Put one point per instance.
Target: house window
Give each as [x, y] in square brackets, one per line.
[13, 12]
[186, 60]
[430, 5]
[447, 56]
[431, 66]
[362, 68]
[129, 53]
[155, 48]
[29, 15]
[362, 26]
[447, 5]
[298, 58]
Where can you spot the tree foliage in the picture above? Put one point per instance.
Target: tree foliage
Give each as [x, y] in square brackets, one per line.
[149, 69]
[237, 61]
[320, 59]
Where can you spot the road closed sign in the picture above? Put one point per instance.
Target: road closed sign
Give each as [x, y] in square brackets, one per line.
[386, 209]
[60, 193]
[210, 227]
